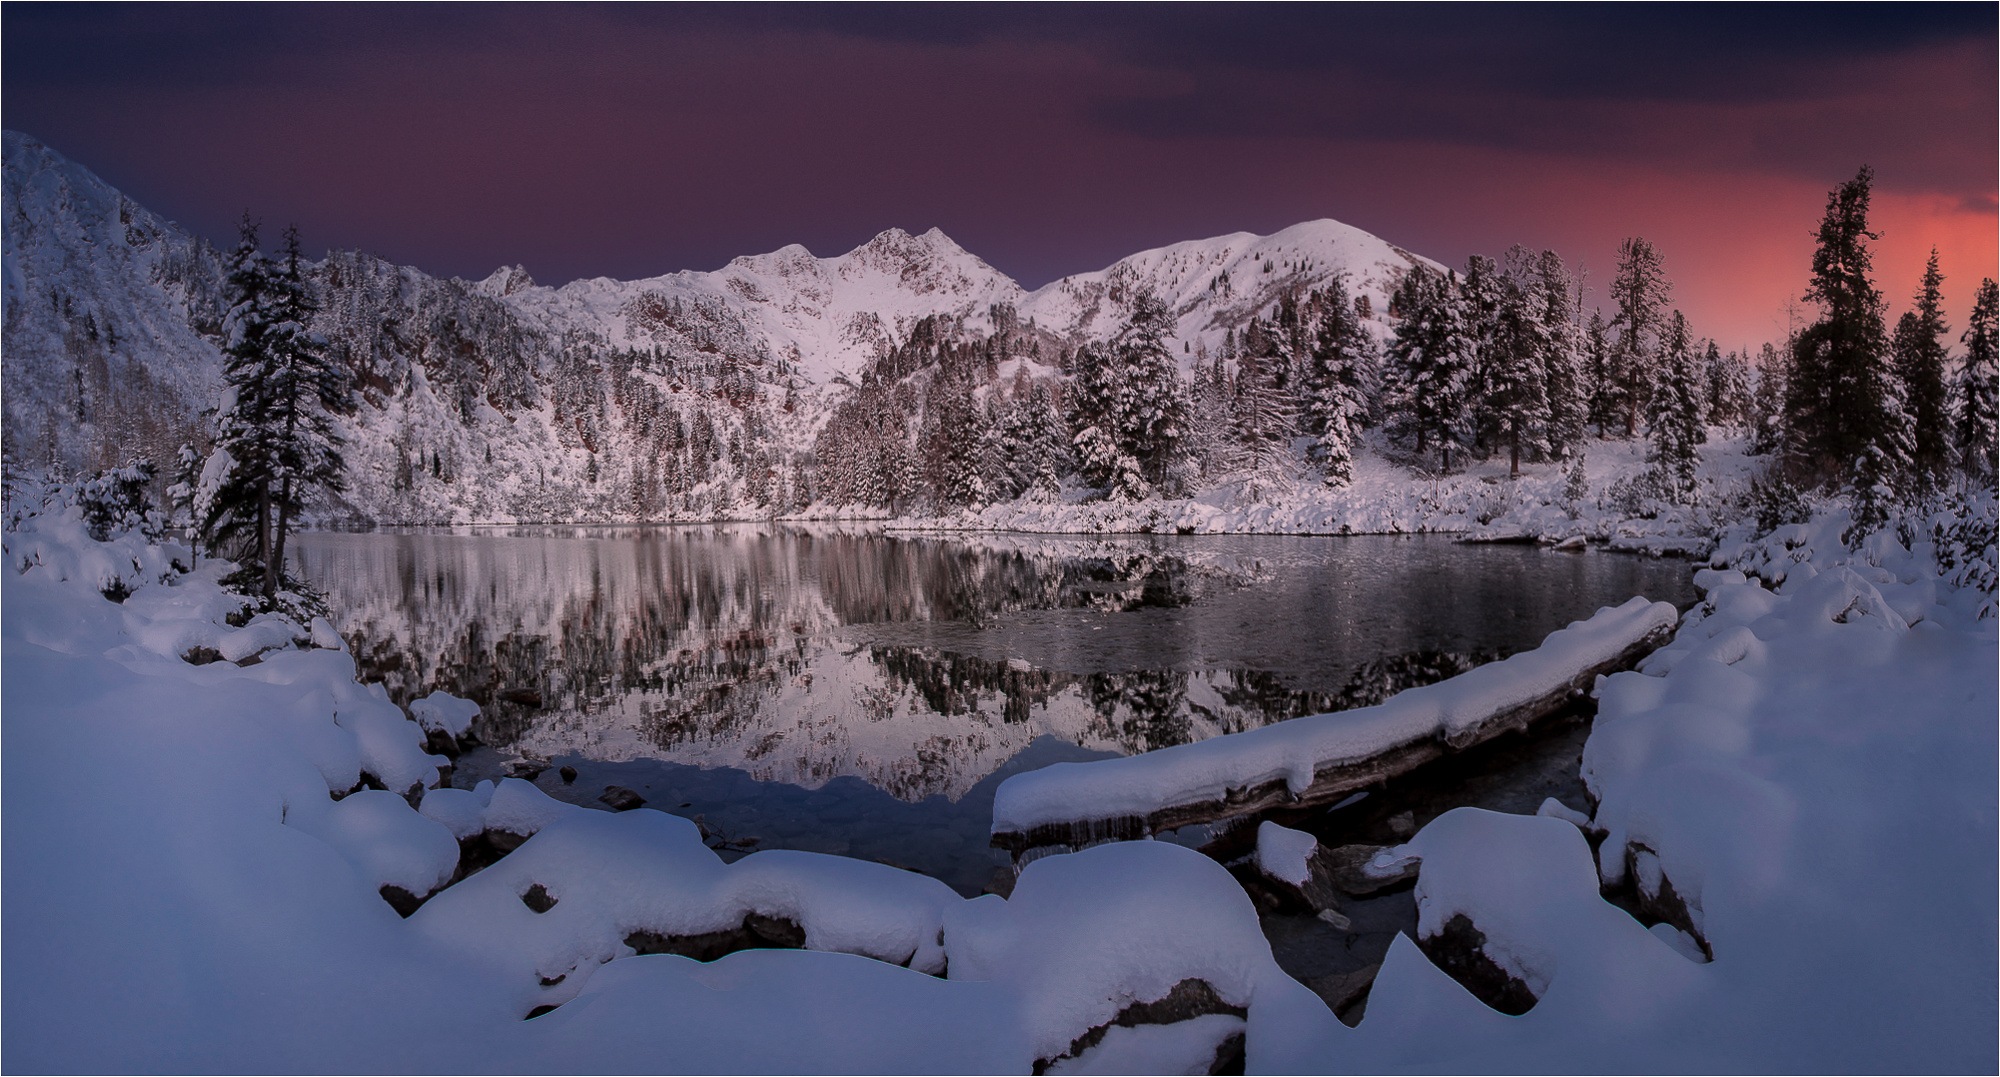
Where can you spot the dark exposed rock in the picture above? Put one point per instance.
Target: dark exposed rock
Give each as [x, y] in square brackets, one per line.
[1459, 950]
[1187, 1000]
[527, 697]
[568, 774]
[538, 1011]
[538, 899]
[619, 798]
[1346, 992]
[439, 742]
[505, 841]
[1228, 1056]
[756, 933]
[527, 770]
[402, 900]
[201, 656]
[1654, 898]
[1403, 825]
[1349, 870]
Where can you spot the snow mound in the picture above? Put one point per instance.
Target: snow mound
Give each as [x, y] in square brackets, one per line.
[443, 713]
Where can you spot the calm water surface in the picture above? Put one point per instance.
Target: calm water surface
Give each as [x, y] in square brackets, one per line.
[862, 693]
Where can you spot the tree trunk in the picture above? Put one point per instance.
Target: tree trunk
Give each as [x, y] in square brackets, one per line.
[1513, 465]
[273, 569]
[264, 524]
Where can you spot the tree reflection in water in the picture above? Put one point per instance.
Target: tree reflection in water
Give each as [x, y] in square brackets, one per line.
[921, 664]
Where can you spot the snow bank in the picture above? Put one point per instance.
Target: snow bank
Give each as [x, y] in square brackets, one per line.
[1798, 786]
[1296, 751]
[1804, 779]
[218, 902]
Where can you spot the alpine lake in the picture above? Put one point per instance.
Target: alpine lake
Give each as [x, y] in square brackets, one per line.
[858, 692]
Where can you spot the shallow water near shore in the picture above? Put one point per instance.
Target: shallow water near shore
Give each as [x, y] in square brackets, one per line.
[863, 693]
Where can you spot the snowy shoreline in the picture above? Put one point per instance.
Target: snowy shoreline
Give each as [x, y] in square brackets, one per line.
[239, 922]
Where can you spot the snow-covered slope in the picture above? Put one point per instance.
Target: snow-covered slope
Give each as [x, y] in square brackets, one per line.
[822, 317]
[106, 304]
[1215, 285]
[573, 402]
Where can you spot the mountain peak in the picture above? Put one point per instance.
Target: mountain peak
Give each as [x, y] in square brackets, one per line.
[505, 281]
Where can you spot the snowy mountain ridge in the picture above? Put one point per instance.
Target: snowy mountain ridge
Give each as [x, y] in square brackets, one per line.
[111, 350]
[832, 316]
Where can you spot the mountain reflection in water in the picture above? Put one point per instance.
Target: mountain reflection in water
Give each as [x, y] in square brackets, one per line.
[921, 664]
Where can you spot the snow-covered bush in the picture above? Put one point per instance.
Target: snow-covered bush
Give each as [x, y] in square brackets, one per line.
[119, 500]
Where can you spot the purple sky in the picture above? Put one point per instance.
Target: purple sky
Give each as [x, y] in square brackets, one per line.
[633, 140]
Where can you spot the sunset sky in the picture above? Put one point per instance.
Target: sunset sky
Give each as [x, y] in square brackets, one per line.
[630, 141]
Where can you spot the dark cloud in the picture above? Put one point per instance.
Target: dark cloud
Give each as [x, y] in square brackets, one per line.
[630, 140]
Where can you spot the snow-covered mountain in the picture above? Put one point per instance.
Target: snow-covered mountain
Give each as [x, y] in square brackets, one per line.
[563, 401]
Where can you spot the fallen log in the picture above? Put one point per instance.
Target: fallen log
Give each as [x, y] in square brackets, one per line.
[1321, 758]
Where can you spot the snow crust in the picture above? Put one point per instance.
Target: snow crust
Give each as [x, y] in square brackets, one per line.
[1295, 751]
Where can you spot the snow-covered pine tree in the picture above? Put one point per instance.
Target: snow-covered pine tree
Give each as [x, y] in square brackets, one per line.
[1597, 361]
[1767, 401]
[1007, 426]
[1517, 400]
[1639, 286]
[1481, 295]
[1844, 408]
[1977, 387]
[1263, 411]
[1576, 487]
[953, 444]
[1429, 369]
[1154, 425]
[1920, 362]
[237, 512]
[1565, 366]
[1728, 388]
[1336, 371]
[1098, 409]
[308, 388]
[1676, 420]
[181, 494]
[1208, 417]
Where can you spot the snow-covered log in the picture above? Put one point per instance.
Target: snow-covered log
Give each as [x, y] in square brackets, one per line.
[1321, 758]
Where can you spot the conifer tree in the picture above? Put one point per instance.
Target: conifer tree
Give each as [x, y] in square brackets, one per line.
[1429, 365]
[1335, 374]
[1099, 411]
[1604, 410]
[238, 515]
[1920, 363]
[1767, 421]
[1565, 366]
[1729, 402]
[1154, 424]
[308, 388]
[1480, 297]
[276, 437]
[1517, 402]
[1844, 403]
[1639, 286]
[1263, 411]
[1676, 420]
[1978, 387]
